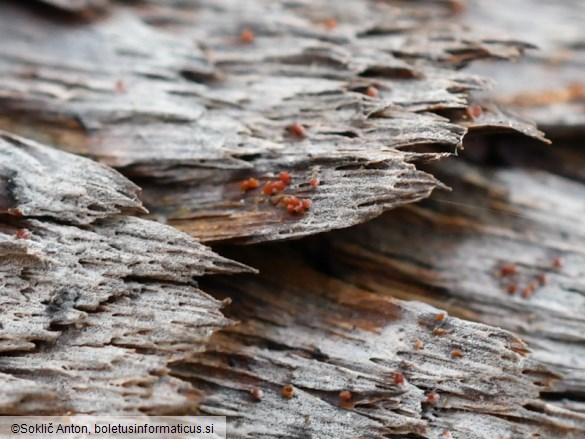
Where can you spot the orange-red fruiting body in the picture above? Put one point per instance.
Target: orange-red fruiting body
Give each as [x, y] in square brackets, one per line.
[372, 92]
[439, 331]
[527, 292]
[314, 182]
[512, 288]
[296, 205]
[473, 112]
[418, 345]
[440, 316]
[121, 86]
[257, 394]
[398, 378]
[508, 269]
[345, 395]
[432, 398]
[288, 391]
[558, 262]
[285, 177]
[23, 234]
[542, 279]
[250, 183]
[296, 129]
[14, 211]
[331, 23]
[273, 187]
[247, 36]
[456, 354]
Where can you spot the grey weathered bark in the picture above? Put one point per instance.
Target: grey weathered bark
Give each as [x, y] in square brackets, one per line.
[221, 106]
[547, 85]
[529, 223]
[84, 285]
[323, 336]
[191, 99]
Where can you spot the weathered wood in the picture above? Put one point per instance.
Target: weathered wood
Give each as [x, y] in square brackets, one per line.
[324, 336]
[103, 314]
[37, 181]
[198, 109]
[457, 246]
[547, 84]
[83, 8]
[83, 286]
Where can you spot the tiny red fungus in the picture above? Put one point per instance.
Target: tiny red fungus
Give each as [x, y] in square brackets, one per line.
[372, 92]
[297, 130]
[345, 395]
[257, 393]
[512, 288]
[121, 86]
[273, 187]
[288, 391]
[432, 398]
[314, 182]
[440, 316]
[247, 36]
[23, 234]
[439, 331]
[14, 211]
[331, 23]
[250, 183]
[285, 177]
[418, 345]
[527, 292]
[296, 205]
[398, 378]
[558, 262]
[456, 354]
[473, 112]
[542, 279]
[508, 269]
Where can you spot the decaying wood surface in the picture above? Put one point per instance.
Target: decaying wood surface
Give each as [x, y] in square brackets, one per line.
[301, 327]
[84, 286]
[547, 85]
[101, 311]
[505, 248]
[80, 8]
[189, 108]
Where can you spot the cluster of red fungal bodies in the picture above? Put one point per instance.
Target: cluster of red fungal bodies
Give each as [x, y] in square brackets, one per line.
[23, 234]
[511, 270]
[345, 396]
[292, 204]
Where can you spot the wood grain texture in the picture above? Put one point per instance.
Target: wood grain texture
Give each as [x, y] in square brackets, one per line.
[87, 9]
[304, 328]
[169, 94]
[547, 85]
[457, 246]
[102, 313]
[94, 302]
[37, 181]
